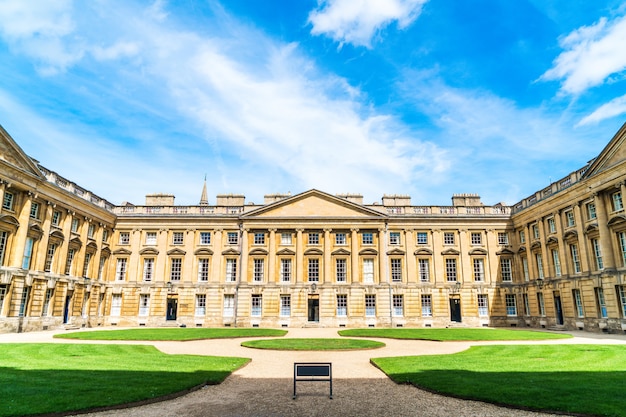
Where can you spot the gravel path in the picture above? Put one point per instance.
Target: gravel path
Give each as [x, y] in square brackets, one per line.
[265, 386]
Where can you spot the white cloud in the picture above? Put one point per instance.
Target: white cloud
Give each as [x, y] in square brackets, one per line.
[591, 55]
[358, 21]
[615, 107]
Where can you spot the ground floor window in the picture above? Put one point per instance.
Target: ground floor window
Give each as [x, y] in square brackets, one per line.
[483, 305]
[427, 305]
[144, 305]
[46, 303]
[200, 305]
[257, 305]
[342, 305]
[601, 303]
[370, 305]
[578, 302]
[541, 304]
[24, 301]
[526, 305]
[229, 305]
[368, 270]
[3, 294]
[285, 305]
[622, 298]
[398, 305]
[511, 305]
[116, 305]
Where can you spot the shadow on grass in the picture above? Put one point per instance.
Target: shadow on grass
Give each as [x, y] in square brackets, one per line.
[59, 392]
[587, 393]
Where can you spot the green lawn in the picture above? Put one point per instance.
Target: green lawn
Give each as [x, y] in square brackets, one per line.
[586, 379]
[453, 334]
[173, 334]
[56, 378]
[313, 344]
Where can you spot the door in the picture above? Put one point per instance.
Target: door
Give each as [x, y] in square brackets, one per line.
[314, 308]
[455, 309]
[559, 309]
[172, 308]
[66, 308]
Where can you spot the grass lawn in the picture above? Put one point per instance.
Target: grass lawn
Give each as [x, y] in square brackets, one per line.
[587, 379]
[172, 334]
[50, 377]
[453, 334]
[313, 344]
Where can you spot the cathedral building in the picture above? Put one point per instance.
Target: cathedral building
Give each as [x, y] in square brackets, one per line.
[69, 258]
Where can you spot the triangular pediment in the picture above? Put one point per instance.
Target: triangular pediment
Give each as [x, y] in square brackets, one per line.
[313, 204]
[11, 154]
[613, 154]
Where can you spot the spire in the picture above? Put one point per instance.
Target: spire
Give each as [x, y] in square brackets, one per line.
[204, 201]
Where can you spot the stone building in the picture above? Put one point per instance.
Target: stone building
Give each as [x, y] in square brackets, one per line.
[68, 257]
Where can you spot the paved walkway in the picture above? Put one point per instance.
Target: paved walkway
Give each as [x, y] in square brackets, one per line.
[265, 385]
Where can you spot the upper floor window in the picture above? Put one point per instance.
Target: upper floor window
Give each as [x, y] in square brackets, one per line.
[367, 238]
[205, 238]
[476, 238]
[450, 269]
[394, 238]
[285, 270]
[503, 238]
[551, 225]
[7, 203]
[124, 238]
[151, 238]
[75, 225]
[535, 231]
[176, 268]
[178, 238]
[522, 236]
[479, 269]
[341, 271]
[105, 235]
[505, 269]
[340, 238]
[314, 238]
[91, 230]
[120, 271]
[422, 238]
[617, 201]
[591, 211]
[448, 238]
[569, 218]
[56, 218]
[396, 270]
[232, 238]
[597, 254]
[259, 238]
[285, 238]
[34, 211]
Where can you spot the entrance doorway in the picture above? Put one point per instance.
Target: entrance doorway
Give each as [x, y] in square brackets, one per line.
[66, 308]
[559, 309]
[172, 308]
[314, 308]
[455, 309]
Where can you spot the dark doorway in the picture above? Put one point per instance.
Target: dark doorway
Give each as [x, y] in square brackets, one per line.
[314, 308]
[172, 308]
[66, 308]
[559, 309]
[455, 309]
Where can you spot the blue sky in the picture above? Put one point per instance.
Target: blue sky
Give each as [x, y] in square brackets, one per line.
[420, 97]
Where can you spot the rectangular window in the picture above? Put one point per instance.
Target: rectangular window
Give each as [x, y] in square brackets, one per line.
[75, 224]
[231, 270]
[259, 238]
[50, 257]
[569, 218]
[551, 225]
[259, 270]
[526, 305]
[370, 305]
[422, 238]
[340, 239]
[70, 258]
[398, 305]
[601, 303]
[575, 258]
[3, 246]
[557, 262]
[285, 270]
[591, 211]
[28, 253]
[476, 238]
[622, 298]
[427, 305]
[148, 269]
[203, 269]
[205, 238]
[525, 268]
[450, 270]
[621, 237]
[396, 270]
[285, 305]
[178, 238]
[503, 238]
[101, 267]
[616, 198]
[394, 238]
[144, 305]
[539, 260]
[232, 238]
[340, 270]
[597, 254]
[522, 236]
[483, 305]
[229, 305]
[448, 238]
[479, 269]
[3, 294]
[257, 305]
[511, 306]
[8, 201]
[541, 304]
[124, 238]
[314, 270]
[535, 229]
[24, 301]
[200, 305]
[314, 238]
[120, 270]
[367, 238]
[285, 239]
[424, 270]
[116, 305]
[578, 301]
[34, 211]
[90, 231]
[368, 271]
[56, 218]
[176, 268]
[342, 305]
[505, 269]
[151, 238]
[46, 303]
[105, 235]
[86, 263]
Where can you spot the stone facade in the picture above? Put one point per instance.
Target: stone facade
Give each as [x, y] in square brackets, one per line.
[70, 258]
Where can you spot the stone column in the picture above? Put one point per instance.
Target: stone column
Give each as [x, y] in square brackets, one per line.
[354, 256]
[271, 258]
[299, 257]
[327, 277]
[608, 258]
[22, 233]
